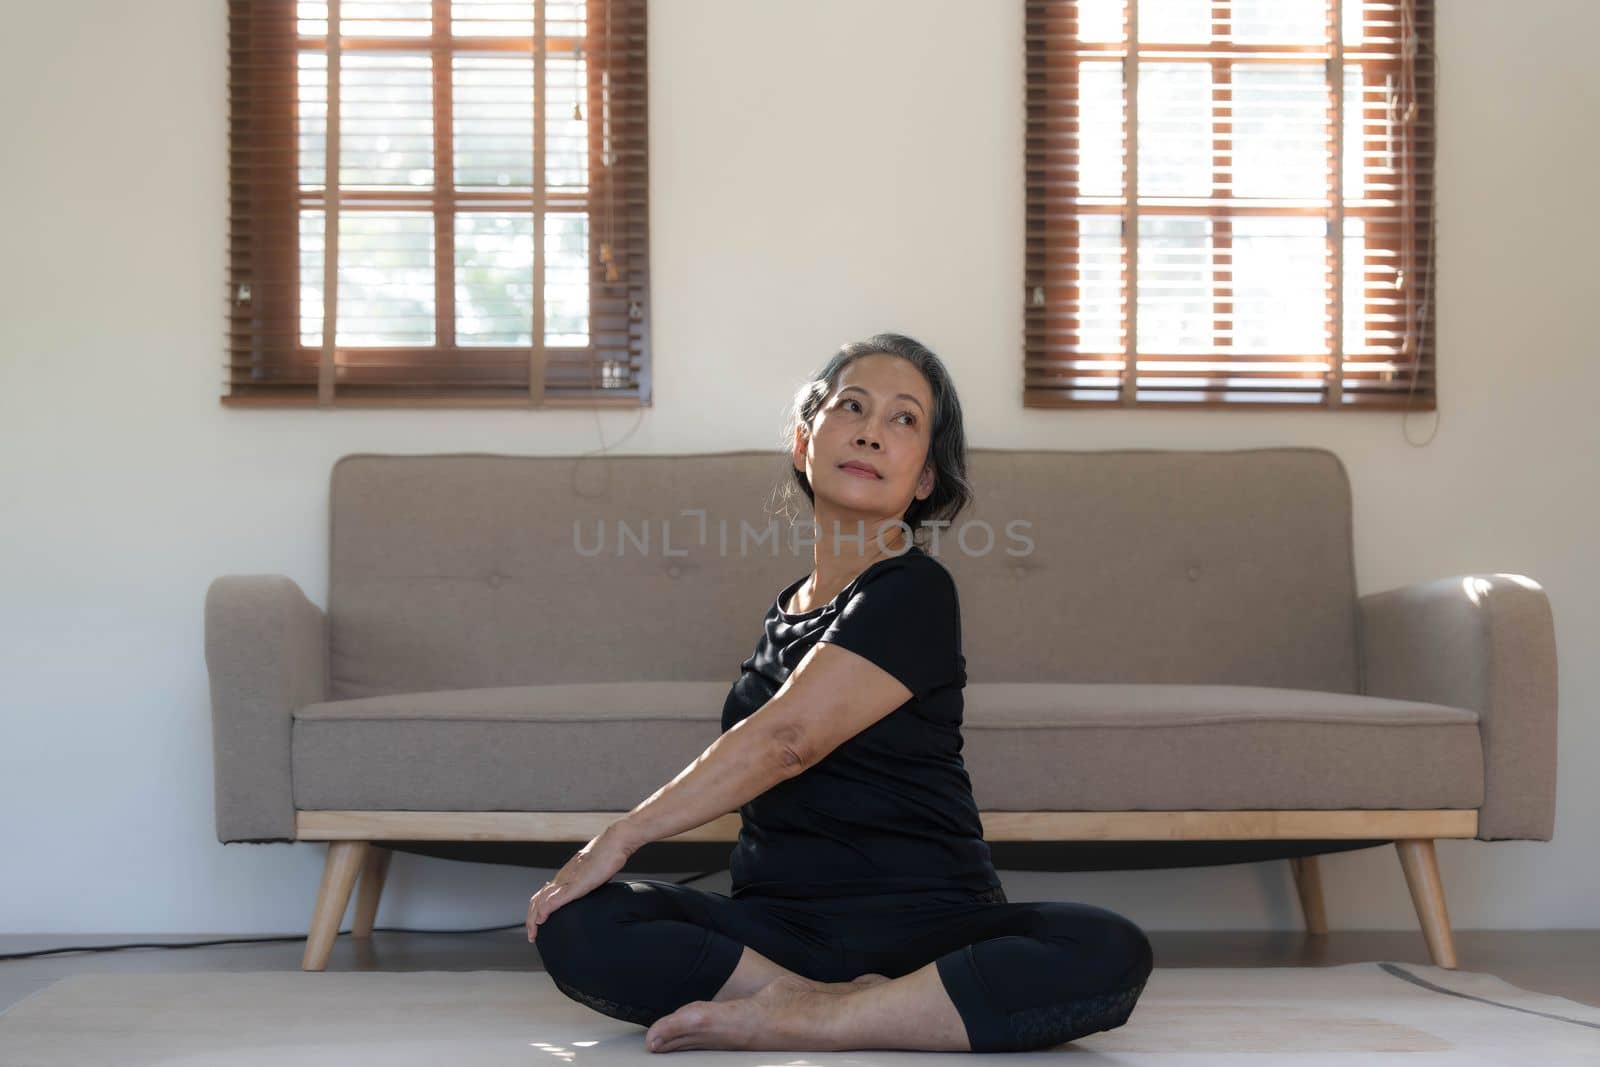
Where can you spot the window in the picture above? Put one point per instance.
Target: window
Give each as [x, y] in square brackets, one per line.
[1199, 173]
[438, 202]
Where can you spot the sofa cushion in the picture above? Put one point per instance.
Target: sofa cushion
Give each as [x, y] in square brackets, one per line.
[1029, 746]
[1116, 747]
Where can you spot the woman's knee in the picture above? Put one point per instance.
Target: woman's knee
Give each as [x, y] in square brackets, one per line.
[1120, 946]
[1127, 943]
[580, 933]
[1124, 960]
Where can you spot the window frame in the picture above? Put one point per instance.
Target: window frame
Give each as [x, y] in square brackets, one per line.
[268, 362]
[1058, 373]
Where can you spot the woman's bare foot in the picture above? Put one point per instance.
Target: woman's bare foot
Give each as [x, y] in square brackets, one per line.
[789, 1012]
[859, 982]
[851, 986]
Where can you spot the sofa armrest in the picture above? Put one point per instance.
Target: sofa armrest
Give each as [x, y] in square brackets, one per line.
[267, 656]
[1485, 642]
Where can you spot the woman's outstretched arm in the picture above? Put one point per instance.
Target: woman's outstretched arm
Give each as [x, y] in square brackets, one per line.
[830, 696]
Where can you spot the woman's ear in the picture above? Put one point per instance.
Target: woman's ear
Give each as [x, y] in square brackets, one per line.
[797, 451]
[926, 482]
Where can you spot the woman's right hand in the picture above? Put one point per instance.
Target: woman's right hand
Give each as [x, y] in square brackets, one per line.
[591, 868]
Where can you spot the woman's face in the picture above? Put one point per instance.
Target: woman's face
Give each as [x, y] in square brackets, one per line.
[879, 415]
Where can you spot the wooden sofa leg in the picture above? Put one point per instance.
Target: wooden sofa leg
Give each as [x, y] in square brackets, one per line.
[1308, 881]
[373, 872]
[345, 859]
[1427, 895]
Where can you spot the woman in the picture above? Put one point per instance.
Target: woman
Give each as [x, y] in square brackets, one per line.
[865, 911]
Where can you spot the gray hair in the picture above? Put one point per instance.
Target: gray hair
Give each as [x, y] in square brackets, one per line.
[947, 446]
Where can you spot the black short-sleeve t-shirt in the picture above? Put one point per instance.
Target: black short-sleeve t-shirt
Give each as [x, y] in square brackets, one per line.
[891, 808]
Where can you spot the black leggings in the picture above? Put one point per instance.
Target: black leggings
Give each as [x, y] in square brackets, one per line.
[1023, 976]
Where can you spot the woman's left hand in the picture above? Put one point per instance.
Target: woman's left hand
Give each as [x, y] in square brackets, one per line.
[592, 867]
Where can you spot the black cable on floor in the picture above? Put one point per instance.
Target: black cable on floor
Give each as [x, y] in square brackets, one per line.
[288, 937]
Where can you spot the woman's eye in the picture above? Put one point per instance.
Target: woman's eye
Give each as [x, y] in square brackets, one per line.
[852, 402]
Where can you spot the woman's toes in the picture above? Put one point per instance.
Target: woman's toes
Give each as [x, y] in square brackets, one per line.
[687, 1019]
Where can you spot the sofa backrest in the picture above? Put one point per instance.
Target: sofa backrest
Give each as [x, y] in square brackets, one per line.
[1166, 566]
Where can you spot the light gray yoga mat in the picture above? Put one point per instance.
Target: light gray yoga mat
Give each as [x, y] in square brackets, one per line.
[1356, 1013]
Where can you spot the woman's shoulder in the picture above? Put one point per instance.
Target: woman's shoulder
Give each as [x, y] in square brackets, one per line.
[914, 571]
[917, 560]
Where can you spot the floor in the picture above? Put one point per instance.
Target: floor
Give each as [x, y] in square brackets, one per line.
[1561, 962]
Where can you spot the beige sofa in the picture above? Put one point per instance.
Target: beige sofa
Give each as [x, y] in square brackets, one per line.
[1168, 663]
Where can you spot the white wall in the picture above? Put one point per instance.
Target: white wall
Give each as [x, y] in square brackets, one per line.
[821, 171]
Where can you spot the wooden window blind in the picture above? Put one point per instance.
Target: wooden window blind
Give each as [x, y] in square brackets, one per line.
[1230, 204]
[438, 202]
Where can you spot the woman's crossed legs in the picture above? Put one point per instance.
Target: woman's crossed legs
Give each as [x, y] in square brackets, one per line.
[975, 973]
